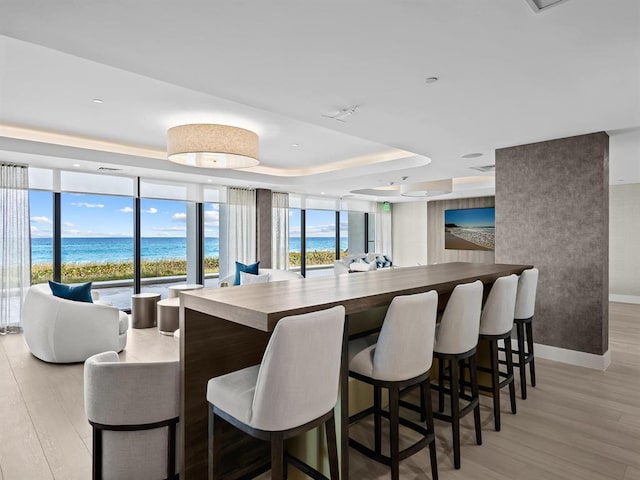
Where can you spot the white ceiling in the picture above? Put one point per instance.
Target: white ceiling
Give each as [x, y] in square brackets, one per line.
[507, 76]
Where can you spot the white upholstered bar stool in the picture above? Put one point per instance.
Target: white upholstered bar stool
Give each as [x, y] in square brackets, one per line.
[293, 390]
[400, 357]
[496, 324]
[133, 409]
[457, 340]
[523, 318]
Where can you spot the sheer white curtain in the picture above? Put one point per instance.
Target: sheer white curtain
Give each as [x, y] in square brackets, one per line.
[384, 234]
[280, 229]
[15, 245]
[241, 227]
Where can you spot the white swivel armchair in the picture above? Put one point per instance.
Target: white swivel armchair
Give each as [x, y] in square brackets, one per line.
[133, 409]
[58, 330]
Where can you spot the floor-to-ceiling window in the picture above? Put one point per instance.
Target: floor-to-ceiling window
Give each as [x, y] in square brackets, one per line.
[41, 216]
[97, 243]
[163, 242]
[211, 243]
[295, 239]
[320, 241]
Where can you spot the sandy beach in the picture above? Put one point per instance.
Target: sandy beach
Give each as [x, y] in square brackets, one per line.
[453, 242]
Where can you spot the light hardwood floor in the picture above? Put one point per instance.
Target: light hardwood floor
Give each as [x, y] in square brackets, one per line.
[577, 424]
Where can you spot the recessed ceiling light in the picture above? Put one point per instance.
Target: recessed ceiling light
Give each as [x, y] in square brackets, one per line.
[431, 80]
[76, 165]
[295, 144]
[321, 193]
[209, 180]
[97, 100]
[472, 155]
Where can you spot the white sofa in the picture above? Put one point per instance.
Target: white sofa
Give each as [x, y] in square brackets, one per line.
[64, 331]
[274, 275]
[356, 263]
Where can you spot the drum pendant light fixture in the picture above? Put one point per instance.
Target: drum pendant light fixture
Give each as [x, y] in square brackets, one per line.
[212, 146]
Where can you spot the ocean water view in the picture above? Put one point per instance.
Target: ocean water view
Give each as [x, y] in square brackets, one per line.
[120, 249]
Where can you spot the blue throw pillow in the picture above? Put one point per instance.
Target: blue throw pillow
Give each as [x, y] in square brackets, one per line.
[78, 293]
[241, 267]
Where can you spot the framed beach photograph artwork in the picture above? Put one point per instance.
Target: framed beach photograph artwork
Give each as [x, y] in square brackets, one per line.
[470, 229]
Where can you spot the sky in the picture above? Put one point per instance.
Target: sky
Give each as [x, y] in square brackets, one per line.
[471, 217]
[86, 215]
[320, 223]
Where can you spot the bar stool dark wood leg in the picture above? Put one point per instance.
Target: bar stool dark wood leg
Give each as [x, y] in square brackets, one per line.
[495, 382]
[428, 414]
[394, 431]
[532, 365]
[332, 447]
[521, 360]
[377, 419]
[277, 457]
[512, 384]
[473, 377]
[441, 384]
[455, 410]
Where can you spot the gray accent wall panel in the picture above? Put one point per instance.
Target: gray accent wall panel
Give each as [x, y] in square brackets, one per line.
[552, 211]
[264, 220]
[436, 252]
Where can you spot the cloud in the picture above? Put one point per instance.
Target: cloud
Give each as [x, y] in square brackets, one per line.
[69, 224]
[321, 230]
[42, 219]
[126, 210]
[150, 210]
[71, 232]
[212, 217]
[179, 217]
[37, 233]
[87, 205]
[169, 229]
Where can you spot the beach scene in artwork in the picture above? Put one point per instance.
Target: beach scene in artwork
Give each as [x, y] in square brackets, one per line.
[470, 229]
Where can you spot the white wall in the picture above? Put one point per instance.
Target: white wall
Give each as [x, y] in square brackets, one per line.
[624, 240]
[409, 233]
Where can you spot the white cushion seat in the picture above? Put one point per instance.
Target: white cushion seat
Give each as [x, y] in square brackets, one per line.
[234, 392]
[360, 356]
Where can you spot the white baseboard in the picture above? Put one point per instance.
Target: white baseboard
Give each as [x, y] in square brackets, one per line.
[624, 298]
[572, 357]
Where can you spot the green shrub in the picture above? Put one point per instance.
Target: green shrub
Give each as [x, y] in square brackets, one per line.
[104, 271]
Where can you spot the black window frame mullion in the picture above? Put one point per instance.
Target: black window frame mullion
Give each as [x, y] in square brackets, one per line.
[57, 237]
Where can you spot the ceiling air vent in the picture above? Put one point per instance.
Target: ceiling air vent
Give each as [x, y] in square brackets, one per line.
[109, 169]
[485, 168]
[539, 5]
